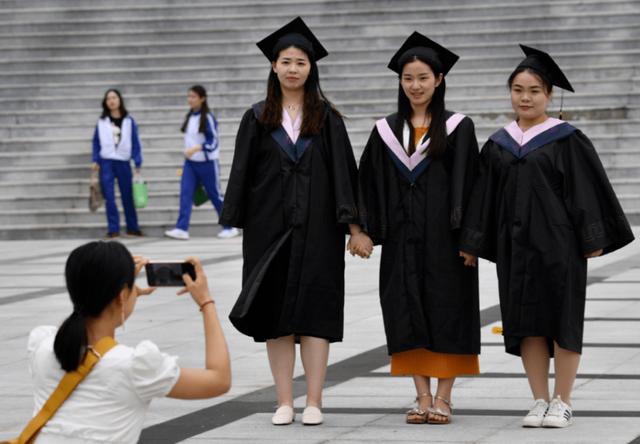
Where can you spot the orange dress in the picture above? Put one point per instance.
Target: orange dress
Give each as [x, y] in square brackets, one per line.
[424, 362]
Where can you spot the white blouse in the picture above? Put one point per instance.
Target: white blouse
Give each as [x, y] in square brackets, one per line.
[110, 404]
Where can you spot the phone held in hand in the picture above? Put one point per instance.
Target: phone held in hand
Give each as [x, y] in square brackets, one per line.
[168, 274]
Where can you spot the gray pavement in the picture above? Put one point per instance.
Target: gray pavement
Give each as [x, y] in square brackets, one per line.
[362, 402]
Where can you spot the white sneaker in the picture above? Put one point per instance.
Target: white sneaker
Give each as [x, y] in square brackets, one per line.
[312, 416]
[228, 233]
[177, 233]
[536, 415]
[559, 415]
[284, 415]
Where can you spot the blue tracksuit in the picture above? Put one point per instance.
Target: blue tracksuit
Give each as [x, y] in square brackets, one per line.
[203, 167]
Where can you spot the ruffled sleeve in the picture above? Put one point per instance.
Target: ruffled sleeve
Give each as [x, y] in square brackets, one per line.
[153, 373]
[38, 335]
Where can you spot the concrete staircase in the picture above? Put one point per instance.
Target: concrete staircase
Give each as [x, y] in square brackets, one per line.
[57, 60]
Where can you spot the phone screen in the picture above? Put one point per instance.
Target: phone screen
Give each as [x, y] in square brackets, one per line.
[168, 274]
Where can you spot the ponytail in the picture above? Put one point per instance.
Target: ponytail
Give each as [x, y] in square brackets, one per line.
[71, 342]
[95, 273]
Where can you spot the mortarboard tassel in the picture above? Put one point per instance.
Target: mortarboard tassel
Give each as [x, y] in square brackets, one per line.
[561, 103]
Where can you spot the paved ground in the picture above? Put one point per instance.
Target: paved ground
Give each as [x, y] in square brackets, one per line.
[362, 402]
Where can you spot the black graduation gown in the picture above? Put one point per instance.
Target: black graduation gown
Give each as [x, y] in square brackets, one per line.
[294, 216]
[535, 211]
[429, 298]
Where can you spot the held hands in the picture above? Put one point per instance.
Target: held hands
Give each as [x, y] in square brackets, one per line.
[360, 244]
[191, 151]
[594, 254]
[469, 259]
[199, 288]
[140, 262]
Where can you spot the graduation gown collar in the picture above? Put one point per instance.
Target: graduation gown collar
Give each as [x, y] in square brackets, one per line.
[410, 166]
[294, 151]
[520, 143]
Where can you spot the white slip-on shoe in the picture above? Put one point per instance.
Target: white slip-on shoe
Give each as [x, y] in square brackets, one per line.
[284, 415]
[560, 414]
[228, 233]
[536, 415]
[177, 233]
[312, 415]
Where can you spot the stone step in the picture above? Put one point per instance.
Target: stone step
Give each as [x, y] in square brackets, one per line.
[152, 214]
[228, 64]
[131, 56]
[629, 200]
[60, 187]
[487, 71]
[375, 17]
[100, 5]
[96, 230]
[507, 33]
[582, 77]
[469, 44]
[309, 9]
[80, 200]
[626, 185]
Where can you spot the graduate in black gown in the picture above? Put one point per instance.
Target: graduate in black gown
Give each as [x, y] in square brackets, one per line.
[292, 189]
[416, 175]
[542, 205]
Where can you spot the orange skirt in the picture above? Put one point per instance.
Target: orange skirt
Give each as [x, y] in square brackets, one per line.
[423, 362]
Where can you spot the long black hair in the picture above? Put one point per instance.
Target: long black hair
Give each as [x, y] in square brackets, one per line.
[315, 101]
[95, 273]
[436, 108]
[106, 112]
[204, 110]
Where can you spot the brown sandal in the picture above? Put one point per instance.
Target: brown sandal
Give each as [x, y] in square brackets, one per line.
[416, 415]
[433, 412]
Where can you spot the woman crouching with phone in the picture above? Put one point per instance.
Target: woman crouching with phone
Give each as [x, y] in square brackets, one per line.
[110, 402]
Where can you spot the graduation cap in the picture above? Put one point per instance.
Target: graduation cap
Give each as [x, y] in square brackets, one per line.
[422, 47]
[295, 33]
[542, 62]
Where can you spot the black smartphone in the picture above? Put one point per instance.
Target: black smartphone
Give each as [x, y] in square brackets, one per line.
[168, 274]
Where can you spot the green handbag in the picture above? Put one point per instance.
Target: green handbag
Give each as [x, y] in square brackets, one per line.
[140, 192]
[200, 196]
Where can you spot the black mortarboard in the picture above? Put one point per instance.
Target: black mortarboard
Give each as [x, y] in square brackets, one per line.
[542, 62]
[418, 45]
[295, 33]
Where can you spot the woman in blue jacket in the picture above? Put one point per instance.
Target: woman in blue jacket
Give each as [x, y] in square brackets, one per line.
[201, 164]
[115, 144]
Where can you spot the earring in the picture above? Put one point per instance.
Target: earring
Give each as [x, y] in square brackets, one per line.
[123, 329]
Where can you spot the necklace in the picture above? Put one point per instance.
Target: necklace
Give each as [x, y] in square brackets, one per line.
[292, 107]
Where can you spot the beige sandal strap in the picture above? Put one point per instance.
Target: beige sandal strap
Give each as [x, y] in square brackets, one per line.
[439, 412]
[446, 401]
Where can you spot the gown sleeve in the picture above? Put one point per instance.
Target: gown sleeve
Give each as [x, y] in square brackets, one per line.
[593, 207]
[345, 170]
[464, 171]
[372, 190]
[233, 210]
[478, 233]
